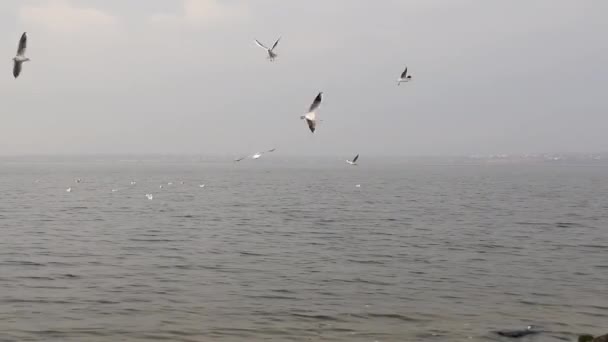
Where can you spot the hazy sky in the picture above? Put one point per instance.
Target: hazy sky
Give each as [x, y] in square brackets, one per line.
[173, 76]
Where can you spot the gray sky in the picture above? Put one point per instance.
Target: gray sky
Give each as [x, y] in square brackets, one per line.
[172, 76]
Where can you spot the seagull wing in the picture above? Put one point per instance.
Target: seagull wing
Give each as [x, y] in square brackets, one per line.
[355, 159]
[312, 124]
[16, 68]
[261, 45]
[271, 150]
[22, 45]
[275, 44]
[316, 103]
[404, 73]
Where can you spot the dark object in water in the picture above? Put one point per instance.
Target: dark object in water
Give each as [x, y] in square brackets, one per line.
[518, 333]
[590, 338]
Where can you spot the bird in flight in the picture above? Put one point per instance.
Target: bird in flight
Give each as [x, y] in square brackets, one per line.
[404, 77]
[311, 116]
[271, 54]
[20, 57]
[354, 161]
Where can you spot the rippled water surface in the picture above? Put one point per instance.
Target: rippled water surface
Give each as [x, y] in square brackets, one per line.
[294, 251]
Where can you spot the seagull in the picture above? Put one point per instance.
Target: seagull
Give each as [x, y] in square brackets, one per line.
[78, 180]
[404, 77]
[358, 186]
[20, 57]
[257, 155]
[170, 183]
[518, 333]
[133, 182]
[68, 190]
[160, 186]
[149, 196]
[271, 54]
[354, 161]
[311, 117]
[114, 190]
[239, 159]
[201, 186]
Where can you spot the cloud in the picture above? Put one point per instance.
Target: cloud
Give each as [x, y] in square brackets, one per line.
[198, 13]
[62, 17]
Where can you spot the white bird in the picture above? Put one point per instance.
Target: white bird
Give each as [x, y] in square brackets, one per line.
[160, 186]
[20, 57]
[404, 77]
[257, 155]
[271, 54]
[133, 182]
[354, 161]
[114, 190]
[170, 183]
[201, 186]
[149, 196]
[311, 116]
[358, 186]
[78, 180]
[68, 190]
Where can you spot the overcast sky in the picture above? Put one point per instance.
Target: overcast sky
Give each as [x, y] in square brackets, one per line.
[184, 76]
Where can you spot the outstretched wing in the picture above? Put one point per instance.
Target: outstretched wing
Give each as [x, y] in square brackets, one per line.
[22, 44]
[261, 45]
[271, 150]
[312, 124]
[275, 44]
[404, 73]
[16, 68]
[316, 103]
[355, 159]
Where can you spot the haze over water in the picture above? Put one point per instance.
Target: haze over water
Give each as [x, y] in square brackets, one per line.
[290, 249]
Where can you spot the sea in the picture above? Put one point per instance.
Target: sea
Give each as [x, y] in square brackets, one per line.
[300, 249]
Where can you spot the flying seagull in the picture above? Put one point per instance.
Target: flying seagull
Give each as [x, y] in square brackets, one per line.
[239, 159]
[404, 77]
[271, 54]
[20, 57]
[354, 161]
[150, 196]
[257, 155]
[311, 116]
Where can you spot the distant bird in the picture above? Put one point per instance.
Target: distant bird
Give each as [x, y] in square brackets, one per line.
[114, 190]
[20, 57]
[358, 186]
[150, 196]
[170, 183]
[404, 77]
[68, 190]
[518, 333]
[78, 180]
[354, 161]
[160, 186]
[257, 155]
[201, 186]
[311, 116]
[271, 54]
[182, 182]
[133, 182]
